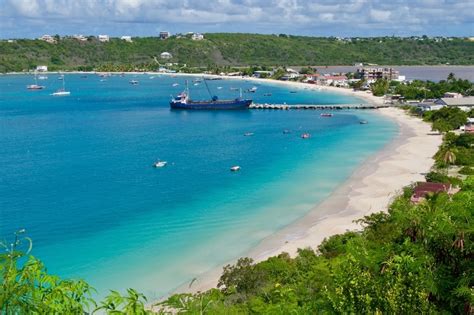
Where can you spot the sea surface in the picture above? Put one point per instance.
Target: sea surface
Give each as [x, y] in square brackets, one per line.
[76, 172]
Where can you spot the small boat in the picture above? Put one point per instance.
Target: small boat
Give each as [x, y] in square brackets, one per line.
[219, 87]
[235, 168]
[61, 77]
[159, 164]
[83, 77]
[267, 94]
[152, 77]
[286, 131]
[196, 83]
[234, 89]
[103, 80]
[248, 134]
[363, 122]
[133, 82]
[326, 115]
[306, 135]
[35, 86]
[252, 89]
[175, 84]
[42, 77]
[293, 92]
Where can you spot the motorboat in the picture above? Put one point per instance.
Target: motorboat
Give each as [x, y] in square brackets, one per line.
[235, 168]
[248, 134]
[286, 131]
[306, 135]
[326, 115]
[159, 164]
[133, 82]
[175, 84]
[363, 122]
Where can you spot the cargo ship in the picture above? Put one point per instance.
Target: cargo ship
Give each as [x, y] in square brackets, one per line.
[184, 101]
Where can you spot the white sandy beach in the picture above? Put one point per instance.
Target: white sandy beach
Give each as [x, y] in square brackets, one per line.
[369, 189]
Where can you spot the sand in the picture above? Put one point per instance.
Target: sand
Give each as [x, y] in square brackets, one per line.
[371, 188]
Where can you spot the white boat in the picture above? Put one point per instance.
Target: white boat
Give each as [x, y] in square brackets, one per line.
[252, 89]
[247, 134]
[235, 168]
[133, 82]
[306, 135]
[42, 77]
[35, 86]
[61, 77]
[219, 87]
[159, 164]
[363, 122]
[175, 84]
[62, 91]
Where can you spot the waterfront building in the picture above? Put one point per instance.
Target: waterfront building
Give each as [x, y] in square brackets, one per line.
[463, 102]
[166, 55]
[164, 35]
[42, 68]
[103, 38]
[372, 74]
[126, 38]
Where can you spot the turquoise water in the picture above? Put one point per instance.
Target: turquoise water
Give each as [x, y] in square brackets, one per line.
[76, 173]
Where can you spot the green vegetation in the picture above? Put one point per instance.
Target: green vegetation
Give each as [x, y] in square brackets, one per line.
[415, 258]
[223, 49]
[418, 90]
[446, 119]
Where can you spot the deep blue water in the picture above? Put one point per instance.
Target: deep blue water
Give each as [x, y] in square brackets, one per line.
[77, 173]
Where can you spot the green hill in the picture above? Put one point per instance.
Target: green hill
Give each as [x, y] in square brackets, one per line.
[224, 49]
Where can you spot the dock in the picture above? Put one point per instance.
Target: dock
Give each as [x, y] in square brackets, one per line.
[315, 107]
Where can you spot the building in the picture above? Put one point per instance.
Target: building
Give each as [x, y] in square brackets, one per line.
[197, 36]
[42, 68]
[126, 38]
[103, 38]
[48, 38]
[262, 74]
[423, 189]
[334, 80]
[164, 35]
[452, 95]
[469, 126]
[166, 55]
[80, 38]
[372, 74]
[456, 101]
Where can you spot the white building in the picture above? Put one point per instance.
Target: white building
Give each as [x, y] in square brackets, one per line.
[197, 36]
[452, 95]
[103, 38]
[42, 68]
[80, 38]
[48, 39]
[166, 55]
[126, 38]
[164, 35]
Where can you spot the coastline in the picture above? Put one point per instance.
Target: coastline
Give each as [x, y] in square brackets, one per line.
[369, 189]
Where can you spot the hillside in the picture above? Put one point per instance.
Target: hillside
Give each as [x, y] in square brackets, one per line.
[224, 49]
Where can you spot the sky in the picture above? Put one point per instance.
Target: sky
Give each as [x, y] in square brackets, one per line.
[33, 18]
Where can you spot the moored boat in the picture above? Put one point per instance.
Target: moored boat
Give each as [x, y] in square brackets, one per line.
[363, 122]
[306, 135]
[326, 115]
[184, 101]
[235, 168]
[159, 164]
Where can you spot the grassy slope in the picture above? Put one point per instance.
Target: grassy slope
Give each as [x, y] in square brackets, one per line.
[234, 49]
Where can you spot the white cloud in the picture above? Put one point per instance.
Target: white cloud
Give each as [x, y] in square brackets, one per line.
[289, 16]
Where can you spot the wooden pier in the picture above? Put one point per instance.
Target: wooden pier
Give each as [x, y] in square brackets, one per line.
[315, 107]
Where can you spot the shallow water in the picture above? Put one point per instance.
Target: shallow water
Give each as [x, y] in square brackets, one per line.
[77, 174]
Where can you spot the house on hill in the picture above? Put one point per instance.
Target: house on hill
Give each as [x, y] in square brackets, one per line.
[166, 55]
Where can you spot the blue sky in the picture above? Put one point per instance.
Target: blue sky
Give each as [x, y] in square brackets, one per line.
[33, 18]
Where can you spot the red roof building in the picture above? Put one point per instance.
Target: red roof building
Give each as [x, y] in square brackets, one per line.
[423, 189]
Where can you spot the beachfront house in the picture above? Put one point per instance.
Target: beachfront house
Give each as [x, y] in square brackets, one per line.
[103, 38]
[197, 36]
[424, 189]
[311, 78]
[42, 68]
[465, 103]
[166, 55]
[126, 38]
[164, 35]
[333, 80]
[262, 74]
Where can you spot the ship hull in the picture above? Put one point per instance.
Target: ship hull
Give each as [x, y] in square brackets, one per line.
[235, 104]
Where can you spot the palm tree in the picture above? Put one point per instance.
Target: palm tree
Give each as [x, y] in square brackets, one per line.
[449, 158]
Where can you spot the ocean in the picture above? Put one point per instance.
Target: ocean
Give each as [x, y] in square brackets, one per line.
[77, 173]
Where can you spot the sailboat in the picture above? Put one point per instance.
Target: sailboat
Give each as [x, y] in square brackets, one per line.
[35, 86]
[62, 92]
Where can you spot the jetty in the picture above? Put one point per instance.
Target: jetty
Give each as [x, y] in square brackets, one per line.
[315, 107]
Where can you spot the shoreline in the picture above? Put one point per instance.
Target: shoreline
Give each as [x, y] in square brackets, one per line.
[369, 189]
